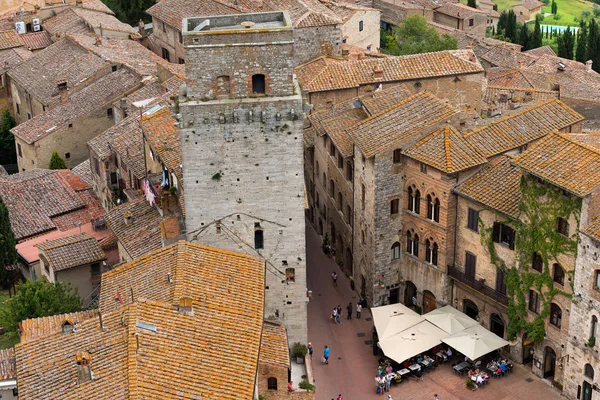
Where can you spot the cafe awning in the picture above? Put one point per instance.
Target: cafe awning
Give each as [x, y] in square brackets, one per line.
[475, 341]
[412, 341]
[392, 319]
[450, 320]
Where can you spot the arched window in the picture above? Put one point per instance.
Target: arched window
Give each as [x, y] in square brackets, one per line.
[594, 327]
[258, 84]
[537, 263]
[331, 188]
[259, 239]
[555, 315]
[415, 245]
[348, 215]
[394, 205]
[396, 251]
[588, 371]
[558, 274]
[324, 179]
[290, 274]
[431, 252]
[339, 201]
[433, 208]
[414, 200]
[272, 383]
[412, 243]
[317, 168]
[409, 242]
[222, 87]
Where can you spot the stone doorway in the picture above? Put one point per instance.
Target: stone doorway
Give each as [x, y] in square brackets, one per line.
[429, 302]
[527, 349]
[549, 363]
[394, 296]
[497, 325]
[471, 309]
[410, 291]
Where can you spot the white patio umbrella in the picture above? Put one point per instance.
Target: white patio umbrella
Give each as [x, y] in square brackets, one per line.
[412, 341]
[450, 320]
[475, 342]
[392, 319]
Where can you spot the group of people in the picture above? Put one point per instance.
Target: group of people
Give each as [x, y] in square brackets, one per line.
[383, 384]
[336, 314]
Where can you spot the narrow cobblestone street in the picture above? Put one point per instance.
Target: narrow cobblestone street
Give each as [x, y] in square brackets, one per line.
[352, 366]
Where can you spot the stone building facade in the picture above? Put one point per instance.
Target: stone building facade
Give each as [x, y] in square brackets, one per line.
[241, 139]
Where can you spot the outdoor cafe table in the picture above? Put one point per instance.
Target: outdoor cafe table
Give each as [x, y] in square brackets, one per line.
[460, 367]
[425, 363]
[404, 371]
[441, 354]
[414, 367]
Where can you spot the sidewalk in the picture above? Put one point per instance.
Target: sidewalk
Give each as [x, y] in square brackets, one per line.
[352, 366]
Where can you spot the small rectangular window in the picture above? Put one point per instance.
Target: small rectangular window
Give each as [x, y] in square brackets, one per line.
[361, 26]
[181, 61]
[363, 196]
[562, 226]
[331, 149]
[114, 68]
[534, 301]
[471, 22]
[164, 27]
[500, 285]
[180, 37]
[18, 108]
[397, 156]
[19, 150]
[28, 116]
[503, 234]
[340, 161]
[394, 206]
[67, 156]
[70, 125]
[423, 168]
[473, 220]
[109, 112]
[470, 265]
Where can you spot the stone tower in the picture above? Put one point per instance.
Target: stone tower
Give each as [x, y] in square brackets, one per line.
[241, 131]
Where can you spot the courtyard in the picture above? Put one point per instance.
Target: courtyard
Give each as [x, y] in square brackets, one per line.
[352, 366]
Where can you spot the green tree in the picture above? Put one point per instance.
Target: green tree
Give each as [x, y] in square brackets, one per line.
[8, 154]
[566, 43]
[8, 250]
[130, 11]
[472, 3]
[554, 7]
[415, 36]
[502, 21]
[593, 47]
[39, 299]
[511, 30]
[524, 37]
[536, 37]
[56, 162]
[582, 43]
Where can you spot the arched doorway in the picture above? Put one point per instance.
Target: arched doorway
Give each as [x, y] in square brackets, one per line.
[320, 231]
[429, 303]
[497, 325]
[470, 309]
[410, 291]
[549, 363]
[588, 372]
[348, 261]
[527, 349]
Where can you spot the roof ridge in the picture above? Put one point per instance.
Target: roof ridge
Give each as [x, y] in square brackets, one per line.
[522, 89]
[410, 98]
[572, 140]
[447, 147]
[67, 240]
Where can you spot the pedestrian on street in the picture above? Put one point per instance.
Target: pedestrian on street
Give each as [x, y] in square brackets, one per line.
[334, 278]
[435, 397]
[310, 350]
[349, 309]
[390, 397]
[388, 383]
[377, 384]
[358, 310]
[339, 314]
[340, 397]
[334, 316]
[326, 353]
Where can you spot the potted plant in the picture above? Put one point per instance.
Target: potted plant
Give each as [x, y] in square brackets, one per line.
[591, 341]
[471, 384]
[300, 350]
[306, 386]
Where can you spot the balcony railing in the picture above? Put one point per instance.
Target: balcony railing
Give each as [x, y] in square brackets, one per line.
[478, 285]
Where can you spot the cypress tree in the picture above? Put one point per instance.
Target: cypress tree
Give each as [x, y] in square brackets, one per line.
[566, 43]
[8, 250]
[524, 37]
[536, 38]
[582, 43]
[502, 22]
[56, 162]
[472, 3]
[554, 7]
[593, 47]
[511, 27]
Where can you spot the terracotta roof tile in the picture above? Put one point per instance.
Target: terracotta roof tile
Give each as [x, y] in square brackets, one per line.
[347, 74]
[523, 127]
[80, 104]
[63, 60]
[34, 197]
[96, 5]
[400, 125]
[172, 12]
[274, 347]
[493, 93]
[127, 141]
[143, 235]
[540, 51]
[529, 4]
[564, 162]
[593, 228]
[496, 186]
[99, 20]
[10, 39]
[84, 171]
[589, 138]
[8, 364]
[163, 137]
[447, 150]
[34, 328]
[549, 64]
[71, 251]
[66, 22]
[10, 58]
[457, 10]
[519, 79]
[382, 100]
[500, 56]
[36, 40]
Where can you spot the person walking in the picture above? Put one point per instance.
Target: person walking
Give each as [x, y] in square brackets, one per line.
[435, 397]
[349, 309]
[339, 397]
[334, 316]
[358, 310]
[339, 314]
[326, 353]
[310, 350]
[334, 278]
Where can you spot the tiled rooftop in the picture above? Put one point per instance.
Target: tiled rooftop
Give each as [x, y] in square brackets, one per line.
[540, 51]
[527, 125]
[501, 56]
[457, 10]
[84, 171]
[496, 186]
[524, 79]
[163, 138]
[10, 58]
[7, 364]
[143, 235]
[447, 150]
[34, 328]
[564, 162]
[80, 104]
[63, 60]
[592, 229]
[10, 39]
[493, 93]
[100, 20]
[71, 251]
[66, 22]
[590, 138]
[274, 345]
[126, 140]
[348, 74]
[529, 4]
[34, 197]
[399, 125]
[36, 40]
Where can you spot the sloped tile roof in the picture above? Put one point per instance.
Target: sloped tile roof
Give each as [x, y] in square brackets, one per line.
[348, 74]
[496, 186]
[457, 10]
[71, 251]
[540, 51]
[36, 40]
[274, 347]
[10, 39]
[345, 11]
[501, 56]
[100, 20]
[84, 171]
[80, 104]
[96, 5]
[143, 235]
[126, 140]
[523, 127]
[492, 93]
[163, 137]
[8, 364]
[382, 100]
[172, 12]
[66, 22]
[10, 58]
[593, 228]
[34, 328]
[336, 128]
[564, 162]
[34, 197]
[519, 79]
[589, 138]
[547, 63]
[529, 4]
[63, 60]
[399, 126]
[447, 150]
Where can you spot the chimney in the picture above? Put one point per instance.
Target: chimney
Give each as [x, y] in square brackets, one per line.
[128, 218]
[84, 368]
[185, 306]
[142, 28]
[377, 72]
[588, 66]
[63, 90]
[67, 327]
[345, 52]
[98, 41]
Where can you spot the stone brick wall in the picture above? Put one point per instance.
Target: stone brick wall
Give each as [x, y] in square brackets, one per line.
[479, 22]
[395, 12]
[169, 39]
[369, 36]
[311, 42]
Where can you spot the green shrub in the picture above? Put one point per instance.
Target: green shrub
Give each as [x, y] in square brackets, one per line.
[306, 386]
[299, 350]
[470, 383]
